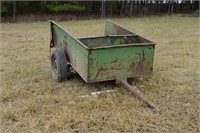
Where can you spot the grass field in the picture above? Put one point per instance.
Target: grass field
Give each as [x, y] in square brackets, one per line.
[32, 102]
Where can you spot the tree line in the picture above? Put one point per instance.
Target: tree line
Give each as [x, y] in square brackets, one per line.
[10, 10]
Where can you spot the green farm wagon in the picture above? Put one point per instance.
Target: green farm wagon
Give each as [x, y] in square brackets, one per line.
[118, 55]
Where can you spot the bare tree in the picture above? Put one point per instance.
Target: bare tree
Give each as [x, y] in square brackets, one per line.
[14, 10]
[159, 4]
[111, 9]
[103, 8]
[169, 6]
[172, 7]
[131, 9]
[122, 7]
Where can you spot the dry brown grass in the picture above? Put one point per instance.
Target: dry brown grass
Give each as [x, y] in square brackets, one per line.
[32, 102]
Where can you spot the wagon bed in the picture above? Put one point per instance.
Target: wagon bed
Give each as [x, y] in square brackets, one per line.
[119, 53]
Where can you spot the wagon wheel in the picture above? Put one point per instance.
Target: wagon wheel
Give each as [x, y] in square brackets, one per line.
[59, 67]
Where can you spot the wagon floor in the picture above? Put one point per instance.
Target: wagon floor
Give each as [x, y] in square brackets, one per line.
[95, 42]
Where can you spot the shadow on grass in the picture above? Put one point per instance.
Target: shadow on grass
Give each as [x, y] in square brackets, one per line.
[103, 84]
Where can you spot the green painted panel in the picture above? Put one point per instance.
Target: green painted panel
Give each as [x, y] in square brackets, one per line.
[94, 61]
[114, 29]
[77, 54]
[133, 61]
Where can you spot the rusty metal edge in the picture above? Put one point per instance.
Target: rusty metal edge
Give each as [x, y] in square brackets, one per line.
[69, 34]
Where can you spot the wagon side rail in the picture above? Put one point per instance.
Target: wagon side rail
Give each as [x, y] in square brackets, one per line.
[76, 52]
[112, 29]
[54, 35]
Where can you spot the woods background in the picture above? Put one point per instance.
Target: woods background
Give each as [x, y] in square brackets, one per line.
[20, 11]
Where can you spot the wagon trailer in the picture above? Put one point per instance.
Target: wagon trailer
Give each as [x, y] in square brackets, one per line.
[118, 55]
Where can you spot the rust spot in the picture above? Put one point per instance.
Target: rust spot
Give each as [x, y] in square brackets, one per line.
[140, 64]
[99, 70]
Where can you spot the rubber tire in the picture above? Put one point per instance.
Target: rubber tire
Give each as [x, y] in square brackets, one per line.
[59, 60]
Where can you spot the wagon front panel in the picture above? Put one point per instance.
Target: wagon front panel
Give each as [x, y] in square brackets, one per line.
[127, 61]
